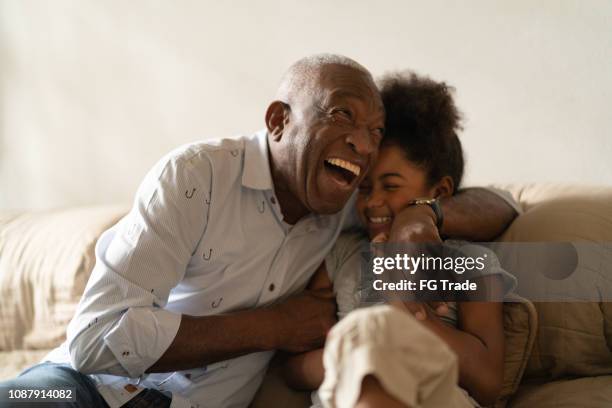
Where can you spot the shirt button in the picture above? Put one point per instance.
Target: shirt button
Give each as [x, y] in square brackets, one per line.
[271, 287]
[273, 200]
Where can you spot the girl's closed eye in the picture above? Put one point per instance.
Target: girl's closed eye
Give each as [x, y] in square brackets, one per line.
[391, 187]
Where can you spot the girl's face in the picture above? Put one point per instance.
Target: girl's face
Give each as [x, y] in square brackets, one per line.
[390, 185]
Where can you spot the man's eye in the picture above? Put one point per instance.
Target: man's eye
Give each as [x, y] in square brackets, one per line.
[390, 187]
[377, 134]
[341, 113]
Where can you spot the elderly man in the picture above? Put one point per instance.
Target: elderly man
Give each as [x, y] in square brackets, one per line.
[196, 287]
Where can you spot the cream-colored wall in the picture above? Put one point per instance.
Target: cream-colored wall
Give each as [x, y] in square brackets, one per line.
[94, 92]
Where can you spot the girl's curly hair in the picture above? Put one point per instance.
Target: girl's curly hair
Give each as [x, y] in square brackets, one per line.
[423, 121]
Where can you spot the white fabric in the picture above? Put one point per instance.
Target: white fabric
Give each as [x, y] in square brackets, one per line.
[205, 236]
[412, 364]
[344, 268]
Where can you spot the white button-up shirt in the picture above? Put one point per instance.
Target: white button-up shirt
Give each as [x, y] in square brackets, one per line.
[205, 236]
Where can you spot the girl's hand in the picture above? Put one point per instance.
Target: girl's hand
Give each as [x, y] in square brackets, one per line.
[420, 310]
[416, 223]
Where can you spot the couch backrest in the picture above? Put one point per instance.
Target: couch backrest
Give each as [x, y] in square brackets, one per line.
[46, 258]
[573, 338]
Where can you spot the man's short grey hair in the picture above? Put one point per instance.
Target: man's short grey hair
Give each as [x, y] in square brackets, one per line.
[304, 75]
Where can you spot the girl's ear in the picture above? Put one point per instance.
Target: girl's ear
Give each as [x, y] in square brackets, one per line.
[443, 188]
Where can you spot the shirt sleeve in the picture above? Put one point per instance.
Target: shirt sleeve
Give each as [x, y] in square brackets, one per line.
[344, 264]
[121, 326]
[350, 221]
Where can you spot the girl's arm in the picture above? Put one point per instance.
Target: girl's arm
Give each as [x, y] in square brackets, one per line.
[478, 342]
[305, 371]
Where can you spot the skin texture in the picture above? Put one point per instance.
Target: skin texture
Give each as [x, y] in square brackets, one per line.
[296, 325]
[478, 340]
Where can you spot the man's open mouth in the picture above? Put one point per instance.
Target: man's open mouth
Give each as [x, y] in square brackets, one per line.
[343, 172]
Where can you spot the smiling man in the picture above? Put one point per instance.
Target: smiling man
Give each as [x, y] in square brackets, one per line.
[197, 286]
[324, 130]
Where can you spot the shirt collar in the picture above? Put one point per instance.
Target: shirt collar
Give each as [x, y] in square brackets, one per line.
[256, 172]
[256, 175]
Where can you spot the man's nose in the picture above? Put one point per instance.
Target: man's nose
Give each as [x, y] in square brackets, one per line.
[361, 142]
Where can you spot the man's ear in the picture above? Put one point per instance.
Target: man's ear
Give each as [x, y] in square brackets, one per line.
[444, 187]
[277, 117]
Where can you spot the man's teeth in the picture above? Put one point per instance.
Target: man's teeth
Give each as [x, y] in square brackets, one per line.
[353, 168]
[379, 220]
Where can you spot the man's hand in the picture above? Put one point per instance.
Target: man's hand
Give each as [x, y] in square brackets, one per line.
[305, 320]
[416, 223]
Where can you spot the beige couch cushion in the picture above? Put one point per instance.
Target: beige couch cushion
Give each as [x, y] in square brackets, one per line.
[590, 392]
[45, 261]
[520, 326]
[572, 338]
[15, 361]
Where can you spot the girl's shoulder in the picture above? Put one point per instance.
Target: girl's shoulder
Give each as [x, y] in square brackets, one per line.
[346, 250]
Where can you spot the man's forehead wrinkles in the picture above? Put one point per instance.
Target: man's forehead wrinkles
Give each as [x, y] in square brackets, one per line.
[372, 100]
[342, 94]
[349, 81]
[364, 93]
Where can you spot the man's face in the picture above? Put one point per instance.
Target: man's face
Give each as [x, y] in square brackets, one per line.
[333, 139]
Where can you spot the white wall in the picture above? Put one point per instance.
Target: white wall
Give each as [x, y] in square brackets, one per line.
[94, 92]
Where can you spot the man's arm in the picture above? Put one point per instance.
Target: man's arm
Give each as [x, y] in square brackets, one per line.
[296, 325]
[305, 371]
[122, 327]
[473, 214]
[476, 214]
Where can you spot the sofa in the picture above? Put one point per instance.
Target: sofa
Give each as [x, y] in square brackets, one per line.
[557, 354]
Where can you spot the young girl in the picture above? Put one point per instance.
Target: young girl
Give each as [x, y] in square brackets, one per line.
[420, 157]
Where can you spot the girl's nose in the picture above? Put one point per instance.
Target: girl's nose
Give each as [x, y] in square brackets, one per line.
[374, 200]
